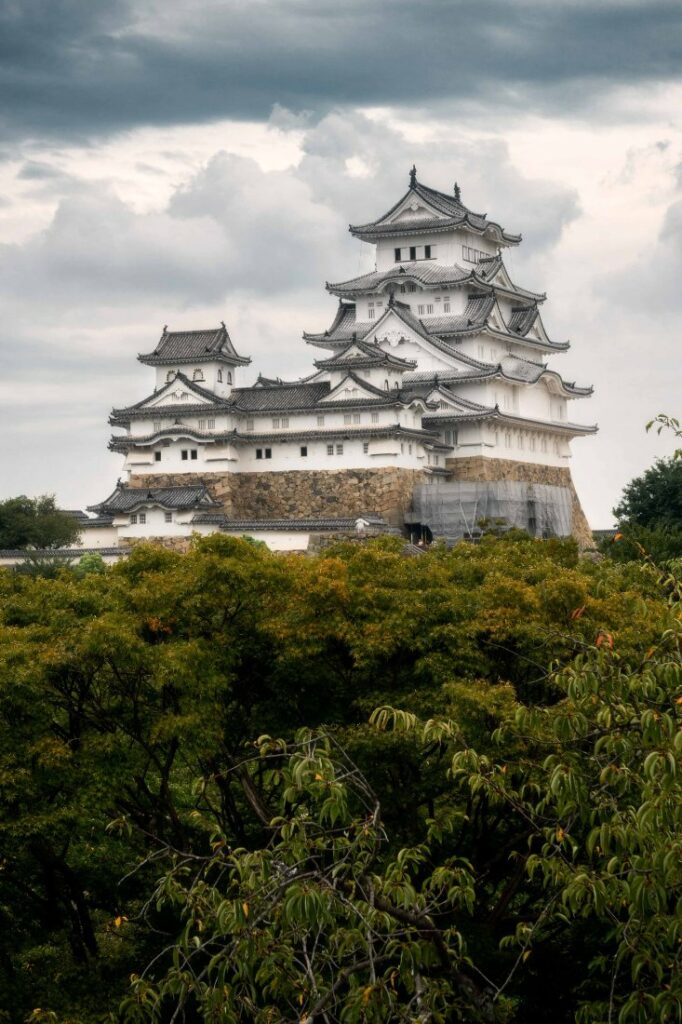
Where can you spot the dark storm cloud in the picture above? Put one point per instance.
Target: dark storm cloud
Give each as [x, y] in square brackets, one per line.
[85, 67]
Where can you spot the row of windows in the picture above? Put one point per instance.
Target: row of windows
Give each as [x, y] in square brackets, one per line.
[473, 255]
[372, 308]
[186, 454]
[282, 422]
[332, 449]
[414, 252]
[532, 442]
[141, 518]
[198, 375]
[203, 425]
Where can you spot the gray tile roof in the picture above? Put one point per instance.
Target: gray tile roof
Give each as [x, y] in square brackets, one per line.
[522, 319]
[424, 271]
[212, 403]
[59, 552]
[279, 396]
[210, 345]
[370, 355]
[453, 213]
[312, 525]
[127, 499]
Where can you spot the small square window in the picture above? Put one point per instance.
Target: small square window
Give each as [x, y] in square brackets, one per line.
[330, 449]
[320, 421]
[427, 252]
[275, 423]
[420, 310]
[339, 449]
[157, 425]
[375, 417]
[396, 253]
[370, 314]
[429, 309]
[304, 450]
[285, 421]
[193, 454]
[365, 447]
[211, 424]
[259, 453]
[347, 418]
[184, 455]
[356, 417]
[143, 518]
[133, 519]
[411, 287]
[413, 252]
[268, 453]
[168, 517]
[202, 424]
[446, 306]
[157, 456]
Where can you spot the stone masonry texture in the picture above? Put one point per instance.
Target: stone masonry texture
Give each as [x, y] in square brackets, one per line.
[387, 491]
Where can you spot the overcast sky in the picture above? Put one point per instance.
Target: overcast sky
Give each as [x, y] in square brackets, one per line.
[167, 162]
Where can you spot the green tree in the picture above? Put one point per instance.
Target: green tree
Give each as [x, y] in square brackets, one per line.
[35, 523]
[576, 822]
[119, 689]
[654, 499]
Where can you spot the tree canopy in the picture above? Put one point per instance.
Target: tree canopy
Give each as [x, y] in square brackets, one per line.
[654, 499]
[35, 523]
[149, 825]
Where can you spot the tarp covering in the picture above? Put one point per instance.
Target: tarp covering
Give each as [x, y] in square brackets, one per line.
[453, 509]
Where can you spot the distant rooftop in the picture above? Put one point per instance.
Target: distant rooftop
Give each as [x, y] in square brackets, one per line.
[212, 345]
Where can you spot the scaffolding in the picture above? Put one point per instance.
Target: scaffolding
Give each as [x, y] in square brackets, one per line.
[455, 509]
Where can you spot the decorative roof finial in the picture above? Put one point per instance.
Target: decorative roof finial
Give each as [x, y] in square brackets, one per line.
[458, 193]
[222, 324]
[413, 176]
[165, 328]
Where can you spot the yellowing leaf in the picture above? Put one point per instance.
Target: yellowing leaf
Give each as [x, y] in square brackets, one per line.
[526, 955]
[245, 908]
[560, 835]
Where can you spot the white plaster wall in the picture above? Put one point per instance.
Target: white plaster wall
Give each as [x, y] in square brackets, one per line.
[276, 540]
[209, 376]
[97, 537]
[448, 246]
[287, 456]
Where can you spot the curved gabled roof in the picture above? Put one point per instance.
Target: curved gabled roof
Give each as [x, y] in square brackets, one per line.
[128, 499]
[363, 354]
[448, 213]
[212, 345]
[213, 401]
[420, 271]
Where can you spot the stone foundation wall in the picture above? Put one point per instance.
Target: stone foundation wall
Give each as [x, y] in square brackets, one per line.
[302, 493]
[483, 469]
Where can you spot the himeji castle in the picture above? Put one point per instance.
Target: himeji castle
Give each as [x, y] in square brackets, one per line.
[431, 407]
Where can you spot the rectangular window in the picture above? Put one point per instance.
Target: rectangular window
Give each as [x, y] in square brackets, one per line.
[375, 417]
[259, 453]
[285, 421]
[370, 314]
[481, 352]
[365, 447]
[409, 449]
[133, 519]
[413, 252]
[380, 305]
[531, 443]
[427, 252]
[320, 421]
[339, 449]
[304, 450]
[396, 253]
[429, 308]
[168, 517]
[211, 424]
[249, 423]
[202, 424]
[268, 453]
[446, 305]
[157, 425]
[275, 423]
[193, 454]
[347, 418]
[411, 287]
[183, 455]
[143, 518]
[402, 448]
[157, 456]
[330, 449]
[356, 417]
[420, 310]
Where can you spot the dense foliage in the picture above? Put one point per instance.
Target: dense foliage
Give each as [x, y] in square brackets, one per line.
[654, 498]
[497, 847]
[35, 523]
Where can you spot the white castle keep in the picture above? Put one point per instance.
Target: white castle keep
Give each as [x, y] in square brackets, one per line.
[431, 405]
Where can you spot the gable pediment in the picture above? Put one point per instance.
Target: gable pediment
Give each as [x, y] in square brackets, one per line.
[351, 389]
[175, 392]
[413, 208]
